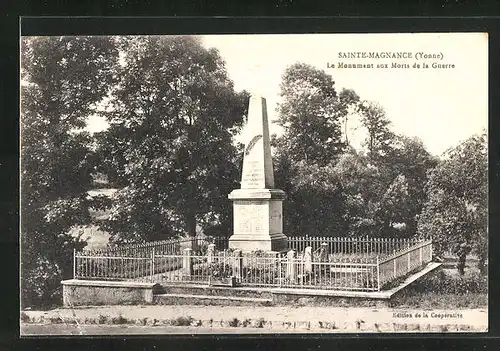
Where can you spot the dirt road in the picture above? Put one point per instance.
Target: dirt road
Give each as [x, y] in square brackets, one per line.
[355, 319]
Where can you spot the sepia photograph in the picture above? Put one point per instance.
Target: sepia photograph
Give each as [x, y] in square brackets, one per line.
[254, 184]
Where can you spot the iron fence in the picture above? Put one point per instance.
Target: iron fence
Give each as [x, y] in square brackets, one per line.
[333, 275]
[161, 247]
[337, 271]
[403, 262]
[112, 267]
[365, 246]
[196, 268]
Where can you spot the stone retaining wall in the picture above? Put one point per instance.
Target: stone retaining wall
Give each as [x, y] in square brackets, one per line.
[92, 293]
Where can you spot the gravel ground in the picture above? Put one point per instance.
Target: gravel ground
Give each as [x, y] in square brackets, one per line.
[281, 318]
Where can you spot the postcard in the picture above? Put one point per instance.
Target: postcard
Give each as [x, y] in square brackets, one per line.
[258, 183]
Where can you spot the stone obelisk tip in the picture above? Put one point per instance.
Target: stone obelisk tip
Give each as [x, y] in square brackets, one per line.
[257, 163]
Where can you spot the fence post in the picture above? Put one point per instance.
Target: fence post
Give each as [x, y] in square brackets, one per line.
[378, 274]
[237, 263]
[210, 253]
[308, 259]
[290, 265]
[74, 263]
[420, 254]
[153, 271]
[187, 264]
[323, 252]
[280, 268]
[394, 260]
[409, 263]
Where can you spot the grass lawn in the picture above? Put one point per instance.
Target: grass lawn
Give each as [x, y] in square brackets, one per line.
[446, 289]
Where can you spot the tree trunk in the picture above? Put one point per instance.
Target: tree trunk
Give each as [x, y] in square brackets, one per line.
[191, 224]
[461, 263]
[481, 264]
[386, 228]
[191, 230]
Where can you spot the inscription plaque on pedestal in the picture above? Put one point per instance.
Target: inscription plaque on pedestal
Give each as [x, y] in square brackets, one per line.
[250, 217]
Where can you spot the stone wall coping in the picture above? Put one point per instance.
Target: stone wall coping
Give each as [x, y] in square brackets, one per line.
[334, 293]
[290, 291]
[109, 284]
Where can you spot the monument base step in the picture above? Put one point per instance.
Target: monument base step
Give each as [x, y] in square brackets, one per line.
[208, 290]
[276, 242]
[182, 299]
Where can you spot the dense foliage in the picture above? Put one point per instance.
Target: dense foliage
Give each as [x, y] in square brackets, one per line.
[312, 114]
[337, 190]
[456, 213]
[63, 78]
[169, 146]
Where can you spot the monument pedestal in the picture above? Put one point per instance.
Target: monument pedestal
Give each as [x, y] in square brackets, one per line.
[258, 220]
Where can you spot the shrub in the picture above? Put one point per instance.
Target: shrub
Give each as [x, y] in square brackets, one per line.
[220, 270]
[24, 317]
[441, 282]
[260, 322]
[246, 322]
[55, 320]
[217, 270]
[182, 321]
[262, 274]
[102, 319]
[234, 322]
[41, 284]
[445, 289]
[119, 320]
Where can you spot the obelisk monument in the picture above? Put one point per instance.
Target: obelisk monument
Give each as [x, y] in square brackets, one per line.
[258, 213]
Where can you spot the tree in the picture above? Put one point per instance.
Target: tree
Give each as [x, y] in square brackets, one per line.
[412, 160]
[455, 215]
[371, 206]
[174, 113]
[380, 138]
[63, 80]
[314, 201]
[347, 105]
[393, 207]
[359, 186]
[396, 157]
[311, 114]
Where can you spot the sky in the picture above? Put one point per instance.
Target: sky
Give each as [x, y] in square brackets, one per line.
[440, 106]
